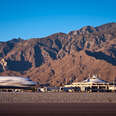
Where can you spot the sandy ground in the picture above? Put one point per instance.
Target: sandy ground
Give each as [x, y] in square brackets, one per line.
[58, 109]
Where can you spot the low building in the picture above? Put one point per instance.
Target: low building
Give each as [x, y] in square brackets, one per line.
[91, 84]
[112, 88]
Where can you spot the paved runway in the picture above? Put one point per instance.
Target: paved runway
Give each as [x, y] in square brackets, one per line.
[80, 109]
[57, 97]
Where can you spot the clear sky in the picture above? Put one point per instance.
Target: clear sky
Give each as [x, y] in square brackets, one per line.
[40, 18]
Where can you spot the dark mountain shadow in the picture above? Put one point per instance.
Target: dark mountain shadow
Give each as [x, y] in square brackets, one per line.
[78, 48]
[58, 43]
[113, 50]
[102, 56]
[19, 66]
[1, 68]
[51, 53]
[38, 56]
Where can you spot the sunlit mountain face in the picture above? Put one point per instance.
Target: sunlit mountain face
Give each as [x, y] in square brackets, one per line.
[62, 58]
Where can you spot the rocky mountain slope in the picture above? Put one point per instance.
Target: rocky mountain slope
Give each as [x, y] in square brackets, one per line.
[62, 58]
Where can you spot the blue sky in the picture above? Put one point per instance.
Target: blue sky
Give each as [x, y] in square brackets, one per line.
[39, 18]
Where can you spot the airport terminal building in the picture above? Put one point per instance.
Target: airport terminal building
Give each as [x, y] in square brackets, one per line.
[92, 84]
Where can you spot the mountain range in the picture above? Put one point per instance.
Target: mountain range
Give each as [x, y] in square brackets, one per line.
[62, 58]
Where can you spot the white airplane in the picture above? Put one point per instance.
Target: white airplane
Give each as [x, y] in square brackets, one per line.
[13, 81]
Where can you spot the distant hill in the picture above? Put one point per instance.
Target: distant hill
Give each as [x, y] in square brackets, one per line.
[63, 58]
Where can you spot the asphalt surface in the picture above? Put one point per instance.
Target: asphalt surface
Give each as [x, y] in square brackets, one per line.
[80, 109]
[29, 97]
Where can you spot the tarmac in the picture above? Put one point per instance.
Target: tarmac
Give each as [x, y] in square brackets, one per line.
[90, 109]
[63, 97]
[57, 104]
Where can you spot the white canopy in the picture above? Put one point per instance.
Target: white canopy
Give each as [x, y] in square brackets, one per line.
[94, 79]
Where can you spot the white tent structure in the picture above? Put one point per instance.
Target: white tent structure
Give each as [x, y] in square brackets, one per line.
[91, 84]
[94, 79]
